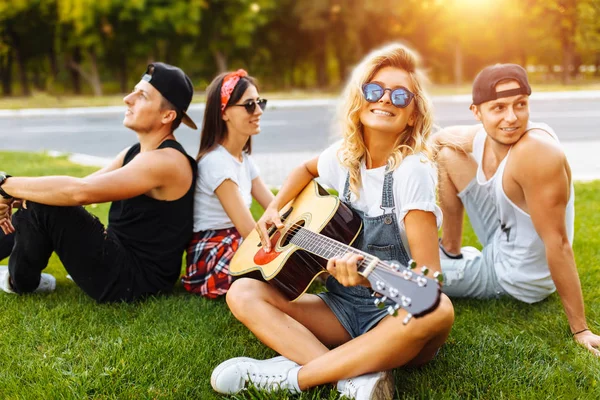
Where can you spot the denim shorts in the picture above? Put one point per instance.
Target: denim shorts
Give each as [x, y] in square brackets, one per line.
[353, 306]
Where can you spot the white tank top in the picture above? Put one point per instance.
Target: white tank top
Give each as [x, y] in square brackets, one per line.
[518, 252]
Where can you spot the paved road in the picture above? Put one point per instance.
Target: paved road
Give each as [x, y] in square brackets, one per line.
[289, 133]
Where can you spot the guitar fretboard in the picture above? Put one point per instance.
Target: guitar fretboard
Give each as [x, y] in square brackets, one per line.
[325, 247]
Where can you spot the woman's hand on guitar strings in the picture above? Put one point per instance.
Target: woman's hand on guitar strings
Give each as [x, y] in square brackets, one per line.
[345, 268]
[269, 218]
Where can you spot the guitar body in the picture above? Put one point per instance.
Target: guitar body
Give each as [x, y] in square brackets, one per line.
[288, 267]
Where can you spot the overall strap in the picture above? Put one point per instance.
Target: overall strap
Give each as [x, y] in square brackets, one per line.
[346, 193]
[387, 195]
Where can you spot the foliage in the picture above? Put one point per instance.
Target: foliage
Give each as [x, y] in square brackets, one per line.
[53, 44]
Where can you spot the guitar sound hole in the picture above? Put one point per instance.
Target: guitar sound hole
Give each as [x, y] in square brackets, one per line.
[291, 232]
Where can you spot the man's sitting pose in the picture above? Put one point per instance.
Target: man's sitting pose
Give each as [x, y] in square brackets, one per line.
[512, 177]
[151, 185]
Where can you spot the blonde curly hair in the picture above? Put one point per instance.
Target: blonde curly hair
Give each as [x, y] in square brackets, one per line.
[412, 140]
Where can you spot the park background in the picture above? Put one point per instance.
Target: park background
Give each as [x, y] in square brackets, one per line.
[70, 53]
[63, 47]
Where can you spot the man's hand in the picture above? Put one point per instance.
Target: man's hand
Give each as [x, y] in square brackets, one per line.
[6, 206]
[589, 340]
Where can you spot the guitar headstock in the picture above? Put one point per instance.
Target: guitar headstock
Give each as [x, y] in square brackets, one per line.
[413, 291]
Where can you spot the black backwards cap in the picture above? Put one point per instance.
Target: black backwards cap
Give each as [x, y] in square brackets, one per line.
[174, 85]
[484, 85]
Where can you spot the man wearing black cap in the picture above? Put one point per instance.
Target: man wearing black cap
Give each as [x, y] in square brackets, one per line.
[151, 186]
[513, 179]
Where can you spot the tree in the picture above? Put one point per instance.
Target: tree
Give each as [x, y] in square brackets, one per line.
[228, 26]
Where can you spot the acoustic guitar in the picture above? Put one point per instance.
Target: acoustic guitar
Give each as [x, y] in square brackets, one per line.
[319, 226]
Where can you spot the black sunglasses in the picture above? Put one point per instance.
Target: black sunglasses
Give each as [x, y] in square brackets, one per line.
[400, 97]
[251, 105]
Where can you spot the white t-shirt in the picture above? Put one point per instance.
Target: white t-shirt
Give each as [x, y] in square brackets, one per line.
[415, 182]
[214, 168]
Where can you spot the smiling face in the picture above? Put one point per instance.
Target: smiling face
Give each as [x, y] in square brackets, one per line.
[238, 121]
[383, 116]
[505, 119]
[144, 113]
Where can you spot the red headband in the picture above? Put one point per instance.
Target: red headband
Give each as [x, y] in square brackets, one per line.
[229, 83]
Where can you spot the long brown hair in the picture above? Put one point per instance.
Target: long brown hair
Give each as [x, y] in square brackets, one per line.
[214, 129]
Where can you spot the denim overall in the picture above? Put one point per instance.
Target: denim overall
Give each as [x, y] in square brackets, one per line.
[380, 236]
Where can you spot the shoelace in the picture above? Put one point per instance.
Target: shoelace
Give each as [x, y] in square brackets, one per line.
[267, 381]
[350, 388]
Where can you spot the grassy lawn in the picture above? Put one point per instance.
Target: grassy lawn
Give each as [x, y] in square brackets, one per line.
[45, 100]
[64, 345]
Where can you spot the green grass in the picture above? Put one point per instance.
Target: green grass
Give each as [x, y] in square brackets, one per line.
[46, 100]
[64, 345]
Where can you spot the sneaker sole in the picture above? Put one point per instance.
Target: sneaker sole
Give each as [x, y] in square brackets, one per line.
[384, 389]
[221, 367]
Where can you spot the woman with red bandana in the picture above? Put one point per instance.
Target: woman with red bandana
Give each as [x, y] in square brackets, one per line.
[227, 181]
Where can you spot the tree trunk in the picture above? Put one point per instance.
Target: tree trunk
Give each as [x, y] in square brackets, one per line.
[568, 58]
[36, 78]
[221, 61]
[75, 78]
[53, 61]
[6, 73]
[16, 42]
[320, 39]
[568, 26]
[91, 77]
[458, 65]
[123, 74]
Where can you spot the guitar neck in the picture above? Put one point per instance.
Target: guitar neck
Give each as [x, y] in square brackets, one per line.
[326, 247]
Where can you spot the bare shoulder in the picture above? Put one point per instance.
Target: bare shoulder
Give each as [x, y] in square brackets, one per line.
[537, 155]
[167, 163]
[457, 136]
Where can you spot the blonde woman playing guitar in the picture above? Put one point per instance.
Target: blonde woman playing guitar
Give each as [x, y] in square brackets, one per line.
[380, 169]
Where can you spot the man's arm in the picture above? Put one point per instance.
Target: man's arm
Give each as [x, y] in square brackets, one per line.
[116, 163]
[147, 171]
[546, 188]
[458, 137]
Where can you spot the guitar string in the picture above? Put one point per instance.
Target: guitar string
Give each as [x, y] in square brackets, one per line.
[304, 235]
[332, 244]
[338, 247]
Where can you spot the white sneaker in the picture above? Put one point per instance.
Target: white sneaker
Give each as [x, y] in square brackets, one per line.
[376, 386]
[277, 373]
[47, 282]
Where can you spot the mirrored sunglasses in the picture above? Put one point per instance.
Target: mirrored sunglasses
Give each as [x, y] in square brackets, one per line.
[400, 97]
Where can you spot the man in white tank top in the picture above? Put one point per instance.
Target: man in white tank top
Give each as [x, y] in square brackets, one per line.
[513, 179]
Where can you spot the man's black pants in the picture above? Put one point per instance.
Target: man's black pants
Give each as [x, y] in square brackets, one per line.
[97, 263]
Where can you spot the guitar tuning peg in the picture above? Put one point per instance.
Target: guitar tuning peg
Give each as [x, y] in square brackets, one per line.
[438, 276]
[407, 319]
[395, 266]
[380, 301]
[393, 310]
[424, 270]
[412, 264]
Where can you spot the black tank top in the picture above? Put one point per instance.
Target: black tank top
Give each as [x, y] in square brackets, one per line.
[154, 232]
